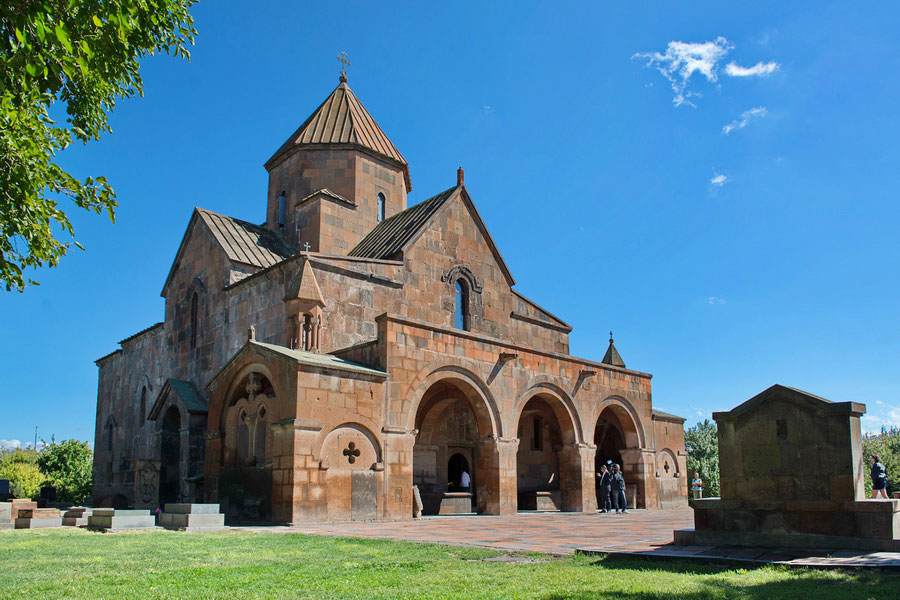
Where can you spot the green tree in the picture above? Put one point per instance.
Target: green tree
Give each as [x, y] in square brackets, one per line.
[85, 55]
[702, 444]
[21, 469]
[886, 445]
[67, 466]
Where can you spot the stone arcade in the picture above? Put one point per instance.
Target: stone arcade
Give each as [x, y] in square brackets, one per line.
[322, 364]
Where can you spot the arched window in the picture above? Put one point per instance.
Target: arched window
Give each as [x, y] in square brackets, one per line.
[461, 306]
[143, 405]
[380, 207]
[282, 202]
[195, 301]
[259, 436]
[110, 432]
[537, 439]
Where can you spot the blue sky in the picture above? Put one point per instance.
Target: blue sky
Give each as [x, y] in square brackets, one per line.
[744, 237]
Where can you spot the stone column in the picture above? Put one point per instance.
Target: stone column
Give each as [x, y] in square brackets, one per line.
[397, 482]
[214, 449]
[496, 487]
[639, 469]
[577, 479]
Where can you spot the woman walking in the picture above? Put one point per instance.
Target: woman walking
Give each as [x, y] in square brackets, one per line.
[879, 479]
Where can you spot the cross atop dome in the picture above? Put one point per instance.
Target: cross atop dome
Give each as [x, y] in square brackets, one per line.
[342, 58]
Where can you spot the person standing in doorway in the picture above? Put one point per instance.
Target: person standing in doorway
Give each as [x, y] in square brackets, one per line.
[879, 479]
[697, 486]
[465, 482]
[618, 490]
[603, 482]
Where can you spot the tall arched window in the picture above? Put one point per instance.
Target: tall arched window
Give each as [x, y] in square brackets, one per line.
[461, 306]
[143, 405]
[380, 207]
[537, 439]
[110, 432]
[195, 301]
[282, 202]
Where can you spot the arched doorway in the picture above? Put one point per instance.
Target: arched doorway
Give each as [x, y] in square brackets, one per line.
[548, 469]
[456, 466]
[170, 457]
[245, 476]
[614, 433]
[453, 420]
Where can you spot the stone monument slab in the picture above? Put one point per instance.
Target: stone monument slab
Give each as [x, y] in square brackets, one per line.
[792, 476]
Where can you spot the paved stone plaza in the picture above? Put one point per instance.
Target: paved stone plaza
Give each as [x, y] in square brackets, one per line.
[550, 532]
[646, 533]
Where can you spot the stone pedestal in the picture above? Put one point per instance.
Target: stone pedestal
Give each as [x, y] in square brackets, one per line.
[9, 511]
[861, 524]
[38, 518]
[192, 517]
[545, 501]
[112, 520]
[77, 516]
[447, 503]
[6, 519]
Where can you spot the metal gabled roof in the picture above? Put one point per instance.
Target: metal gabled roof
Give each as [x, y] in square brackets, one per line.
[391, 235]
[245, 242]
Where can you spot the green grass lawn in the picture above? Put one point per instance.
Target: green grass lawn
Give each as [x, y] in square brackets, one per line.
[70, 563]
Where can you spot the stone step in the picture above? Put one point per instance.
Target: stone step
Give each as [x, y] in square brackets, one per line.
[36, 523]
[75, 521]
[119, 512]
[39, 513]
[118, 523]
[192, 522]
[76, 512]
[192, 509]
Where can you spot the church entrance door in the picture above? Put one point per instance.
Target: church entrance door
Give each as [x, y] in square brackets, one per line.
[170, 457]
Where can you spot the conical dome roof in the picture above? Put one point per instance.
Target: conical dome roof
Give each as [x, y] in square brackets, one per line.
[342, 120]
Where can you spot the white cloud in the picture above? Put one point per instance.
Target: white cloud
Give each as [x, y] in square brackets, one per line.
[10, 444]
[682, 59]
[715, 300]
[759, 111]
[874, 421]
[760, 69]
[718, 180]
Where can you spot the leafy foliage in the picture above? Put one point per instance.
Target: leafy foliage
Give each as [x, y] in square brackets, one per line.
[84, 54]
[886, 445]
[67, 465]
[702, 444]
[21, 469]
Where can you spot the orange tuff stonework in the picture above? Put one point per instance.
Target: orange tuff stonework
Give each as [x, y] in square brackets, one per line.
[352, 355]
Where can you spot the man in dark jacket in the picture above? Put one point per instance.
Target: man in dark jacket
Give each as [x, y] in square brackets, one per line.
[618, 490]
[879, 479]
[603, 482]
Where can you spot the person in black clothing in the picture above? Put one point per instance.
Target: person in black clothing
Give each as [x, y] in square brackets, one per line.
[879, 479]
[605, 478]
[618, 490]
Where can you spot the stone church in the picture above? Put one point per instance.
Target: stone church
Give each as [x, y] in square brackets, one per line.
[352, 356]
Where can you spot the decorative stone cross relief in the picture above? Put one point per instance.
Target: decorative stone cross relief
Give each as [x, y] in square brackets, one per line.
[252, 386]
[306, 246]
[666, 467]
[351, 452]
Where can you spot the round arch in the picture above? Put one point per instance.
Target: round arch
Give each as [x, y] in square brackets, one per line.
[559, 402]
[467, 381]
[231, 396]
[625, 414]
[321, 444]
